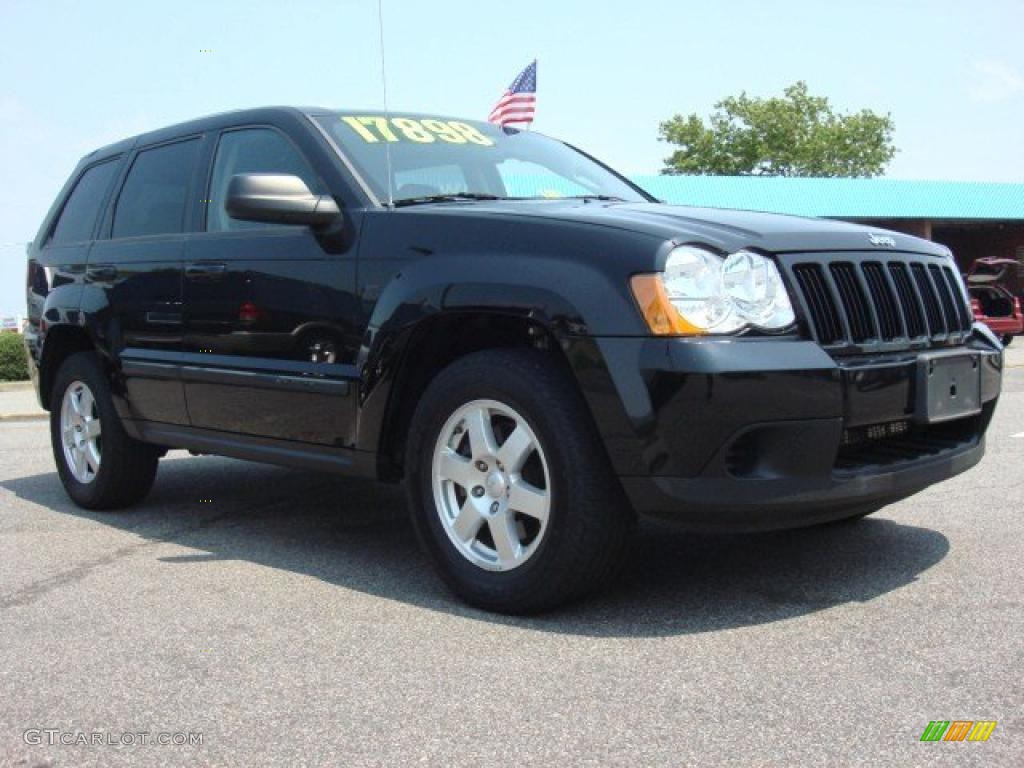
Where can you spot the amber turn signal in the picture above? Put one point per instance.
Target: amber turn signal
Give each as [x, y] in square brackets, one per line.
[662, 318]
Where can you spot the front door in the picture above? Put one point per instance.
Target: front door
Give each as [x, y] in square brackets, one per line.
[270, 342]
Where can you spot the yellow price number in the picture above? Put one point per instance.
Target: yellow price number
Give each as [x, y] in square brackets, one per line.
[375, 128]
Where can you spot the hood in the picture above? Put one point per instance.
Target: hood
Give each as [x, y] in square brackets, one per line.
[727, 230]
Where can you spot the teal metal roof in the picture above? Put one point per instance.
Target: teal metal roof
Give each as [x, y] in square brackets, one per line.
[843, 198]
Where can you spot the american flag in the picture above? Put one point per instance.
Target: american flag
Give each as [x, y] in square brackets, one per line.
[519, 102]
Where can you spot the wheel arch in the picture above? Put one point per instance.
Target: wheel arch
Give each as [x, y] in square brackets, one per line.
[431, 346]
[61, 341]
[439, 307]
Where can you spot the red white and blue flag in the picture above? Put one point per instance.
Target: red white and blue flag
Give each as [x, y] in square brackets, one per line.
[519, 102]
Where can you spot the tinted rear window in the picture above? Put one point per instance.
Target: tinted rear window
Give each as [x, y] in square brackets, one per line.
[155, 193]
[78, 218]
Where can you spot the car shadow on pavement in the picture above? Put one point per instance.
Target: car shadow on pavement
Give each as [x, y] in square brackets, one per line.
[355, 534]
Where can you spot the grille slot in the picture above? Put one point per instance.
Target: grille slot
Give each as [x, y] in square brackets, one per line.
[855, 303]
[945, 297]
[820, 302]
[936, 326]
[964, 322]
[885, 302]
[908, 300]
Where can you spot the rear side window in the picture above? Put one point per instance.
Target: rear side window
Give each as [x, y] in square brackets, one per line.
[155, 193]
[251, 150]
[78, 218]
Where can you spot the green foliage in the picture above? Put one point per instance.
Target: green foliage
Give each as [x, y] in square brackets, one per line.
[796, 135]
[13, 363]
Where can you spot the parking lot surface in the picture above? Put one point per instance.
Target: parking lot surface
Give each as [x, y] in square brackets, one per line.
[290, 619]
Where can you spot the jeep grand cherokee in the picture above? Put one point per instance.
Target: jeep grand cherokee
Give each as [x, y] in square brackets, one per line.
[535, 345]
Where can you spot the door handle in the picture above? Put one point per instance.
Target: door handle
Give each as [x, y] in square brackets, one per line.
[101, 274]
[205, 272]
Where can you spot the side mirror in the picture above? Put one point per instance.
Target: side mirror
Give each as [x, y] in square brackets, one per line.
[277, 198]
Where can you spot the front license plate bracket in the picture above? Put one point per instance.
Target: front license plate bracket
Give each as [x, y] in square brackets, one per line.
[948, 386]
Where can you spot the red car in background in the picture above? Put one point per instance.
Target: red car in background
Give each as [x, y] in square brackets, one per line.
[991, 283]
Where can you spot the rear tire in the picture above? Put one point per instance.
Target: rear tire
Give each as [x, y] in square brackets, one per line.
[467, 484]
[1007, 339]
[100, 466]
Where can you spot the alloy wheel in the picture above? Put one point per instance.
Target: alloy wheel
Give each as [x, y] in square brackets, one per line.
[491, 485]
[81, 432]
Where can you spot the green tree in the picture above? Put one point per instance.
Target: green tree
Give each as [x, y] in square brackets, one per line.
[796, 135]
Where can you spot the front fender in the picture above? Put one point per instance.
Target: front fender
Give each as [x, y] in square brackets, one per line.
[580, 300]
[568, 297]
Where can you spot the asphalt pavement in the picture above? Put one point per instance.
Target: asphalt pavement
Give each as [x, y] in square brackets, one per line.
[18, 402]
[287, 618]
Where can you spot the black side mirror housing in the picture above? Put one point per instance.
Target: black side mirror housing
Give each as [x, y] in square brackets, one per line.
[278, 198]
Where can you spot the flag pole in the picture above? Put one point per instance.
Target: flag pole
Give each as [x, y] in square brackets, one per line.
[529, 125]
[384, 93]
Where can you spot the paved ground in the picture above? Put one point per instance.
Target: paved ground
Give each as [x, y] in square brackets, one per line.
[289, 618]
[18, 401]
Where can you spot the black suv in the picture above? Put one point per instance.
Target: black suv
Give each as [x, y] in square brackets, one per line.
[538, 347]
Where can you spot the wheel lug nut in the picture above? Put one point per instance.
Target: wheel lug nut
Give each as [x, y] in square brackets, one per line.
[482, 466]
[494, 508]
[478, 491]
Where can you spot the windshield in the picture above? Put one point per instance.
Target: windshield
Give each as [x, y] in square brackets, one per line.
[433, 157]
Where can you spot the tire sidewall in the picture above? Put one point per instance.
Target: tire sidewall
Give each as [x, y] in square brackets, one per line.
[437, 406]
[83, 367]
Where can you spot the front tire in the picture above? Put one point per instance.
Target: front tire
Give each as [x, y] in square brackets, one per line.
[509, 488]
[100, 466]
[1007, 339]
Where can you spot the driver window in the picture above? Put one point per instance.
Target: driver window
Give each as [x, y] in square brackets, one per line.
[251, 150]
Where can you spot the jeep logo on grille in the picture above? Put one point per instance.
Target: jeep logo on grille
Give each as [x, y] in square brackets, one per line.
[882, 240]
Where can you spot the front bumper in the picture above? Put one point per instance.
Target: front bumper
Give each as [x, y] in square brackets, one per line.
[772, 433]
[728, 504]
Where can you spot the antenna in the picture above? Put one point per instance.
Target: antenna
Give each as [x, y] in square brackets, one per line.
[387, 113]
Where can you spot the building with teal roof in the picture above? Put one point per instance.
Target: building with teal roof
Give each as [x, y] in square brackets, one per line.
[973, 218]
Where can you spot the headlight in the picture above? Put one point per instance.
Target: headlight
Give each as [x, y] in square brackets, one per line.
[700, 293]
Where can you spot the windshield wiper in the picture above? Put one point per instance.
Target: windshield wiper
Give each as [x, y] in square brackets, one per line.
[452, 197]
[603, 198]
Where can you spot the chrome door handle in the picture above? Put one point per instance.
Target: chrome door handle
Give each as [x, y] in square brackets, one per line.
[101, 273]
[204, 272]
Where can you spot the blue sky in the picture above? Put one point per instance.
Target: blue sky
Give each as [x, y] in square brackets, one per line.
[78, 75]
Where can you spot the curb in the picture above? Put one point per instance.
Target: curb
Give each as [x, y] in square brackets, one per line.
[15, 386]
[42, 416]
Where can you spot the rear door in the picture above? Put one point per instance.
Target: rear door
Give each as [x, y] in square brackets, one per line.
[270, 341]
[65, 249]
[138, 264]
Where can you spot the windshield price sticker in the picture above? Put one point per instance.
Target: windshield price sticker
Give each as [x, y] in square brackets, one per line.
[375, 128]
